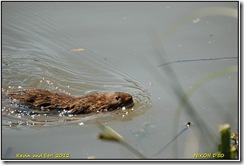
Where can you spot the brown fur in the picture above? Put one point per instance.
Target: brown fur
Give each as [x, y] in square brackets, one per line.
[47, 100]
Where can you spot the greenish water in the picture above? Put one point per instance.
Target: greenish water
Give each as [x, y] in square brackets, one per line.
[85, 47]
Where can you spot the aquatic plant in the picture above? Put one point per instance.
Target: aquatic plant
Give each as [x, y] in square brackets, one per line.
[228, 150]
[111, 135]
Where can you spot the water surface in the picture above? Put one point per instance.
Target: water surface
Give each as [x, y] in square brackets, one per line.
[83, 47]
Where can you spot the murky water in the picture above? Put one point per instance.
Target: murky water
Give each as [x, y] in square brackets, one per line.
[139, 48]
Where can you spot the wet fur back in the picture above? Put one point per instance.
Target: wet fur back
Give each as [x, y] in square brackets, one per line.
[47, 100]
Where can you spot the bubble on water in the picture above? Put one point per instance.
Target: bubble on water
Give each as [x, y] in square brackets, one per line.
[49, 82]
[196, 20]
[81, 123]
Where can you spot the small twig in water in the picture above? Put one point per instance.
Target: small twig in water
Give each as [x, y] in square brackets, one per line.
[198, 60]
[188, 124]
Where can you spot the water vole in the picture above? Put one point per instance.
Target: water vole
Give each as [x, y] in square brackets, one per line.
[48, 100]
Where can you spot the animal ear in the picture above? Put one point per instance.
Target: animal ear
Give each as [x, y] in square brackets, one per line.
[117, 97]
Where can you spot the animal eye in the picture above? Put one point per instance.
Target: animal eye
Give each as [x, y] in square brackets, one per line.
[117, 98]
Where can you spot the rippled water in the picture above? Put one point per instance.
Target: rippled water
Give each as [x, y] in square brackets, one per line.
[15, 114]
[41, 62]
[79, 48]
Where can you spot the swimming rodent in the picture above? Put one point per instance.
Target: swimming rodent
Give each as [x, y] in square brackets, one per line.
[96, 102]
